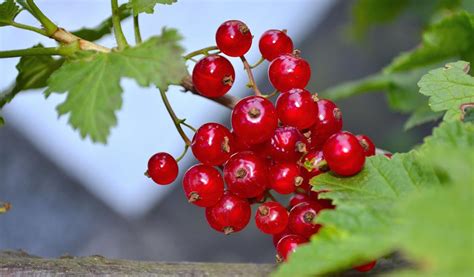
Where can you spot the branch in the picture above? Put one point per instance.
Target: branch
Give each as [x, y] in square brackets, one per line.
[119, 36]
[63, 50]
[176, 120]
[250, 75]
[227, 101]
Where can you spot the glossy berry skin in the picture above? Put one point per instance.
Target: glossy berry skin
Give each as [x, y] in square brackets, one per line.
[231, 214]
[298, 198]
[203, 185]
[233, 38]
[312, 164]
[239, 144]
[254, 119]
[212, 144]
[274, 43]
[213, 76]
[324, 204]
[162, 168]
[367, 144]
[271, 218]
[277, 237]
[287, 144]
[245, 174]
[288, 245]
[366, 267]
[301, 219]
[297, 108]
[284, 177]
[288, 71]
[328, 122]
[344, 154]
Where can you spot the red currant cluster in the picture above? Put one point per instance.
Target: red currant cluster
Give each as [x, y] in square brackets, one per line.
[270, 147]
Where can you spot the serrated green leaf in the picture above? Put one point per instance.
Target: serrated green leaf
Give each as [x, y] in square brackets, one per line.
[448, 88]
[8, 11]
[92, 81]
[452, 37]
[147, 6]
[104, 28]
[421, 116]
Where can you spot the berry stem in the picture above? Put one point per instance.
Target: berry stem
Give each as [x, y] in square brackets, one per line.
[268, 194]
[186, 147]
[176, 120]
[136, 29]
[119, 36]
[204, 51]
[183, 122]
[250, 75]
[262, 59]
[270, 95]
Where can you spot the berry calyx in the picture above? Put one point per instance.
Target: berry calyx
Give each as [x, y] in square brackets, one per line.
[367, 144]
[366, 267]
[328, 122]
[288, 245]
[162, 168]
[301, 219]
[203, 185]
[245, 174]
[254, 119]
[297, 108]
[271, 218]
[212, 144]
[287, 144]
[229, 215]
[233, 38]
[213, 76]
[289, 71]
[344, 154]
[284, 177]
[274, 43]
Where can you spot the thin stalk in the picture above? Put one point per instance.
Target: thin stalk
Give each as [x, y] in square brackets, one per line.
[176, 120]
[116, 22]
[136, 28]
[186, 147]
[28, 27]
[61, 50]
[252, 82]
[183, 122]
[262, 59]
[48, 25]
[203, 51]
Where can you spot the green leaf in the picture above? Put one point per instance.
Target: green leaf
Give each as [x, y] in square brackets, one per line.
[33, 72]
[8, 11]
[421, 116]
[147, 6]
[104, 28]
[452, 37]
[92, 81]
[2, 121]
[448, 88]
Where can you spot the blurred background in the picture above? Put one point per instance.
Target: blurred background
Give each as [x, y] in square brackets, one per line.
[70, 196]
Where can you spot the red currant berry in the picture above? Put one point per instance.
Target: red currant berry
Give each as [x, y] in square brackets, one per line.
[212, 144]
[271, 218]
[254, 119]
[313, 164]
[239, 144]
[388, 155]
[284, 177]
[367, 144]
[301, 219]
[298, 198]
[366, 267]
[344, 154]
[328, 122]
[231, 214]
[288, 245]
[276, 237]
[203, 185]
[325, 204]
[213, 76]
[274, 43]
[297, 108]
[245, 174]
[287, 144]
[162, 168]
[288, 71]
[233, 38]
[258, 199]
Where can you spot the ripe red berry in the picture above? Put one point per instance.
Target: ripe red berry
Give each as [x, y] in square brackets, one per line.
[388, 155]
[239, 144]
[274, 43]
[301, 219]
[288, 71]
[297, 108]
[213, 76]
[313, 164]
[344, 154]
[323, 203]
[233, 38]
[245, 174]
[203, 185]
[254, 119]
[276, 237]
[298, 198]
[366, 267]
[212, 144]
[287, 144]
[162, 168]
[328, 122]
[284, 177]
[288, 245]
[271, 218]
[367, 144]
[231, 214]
